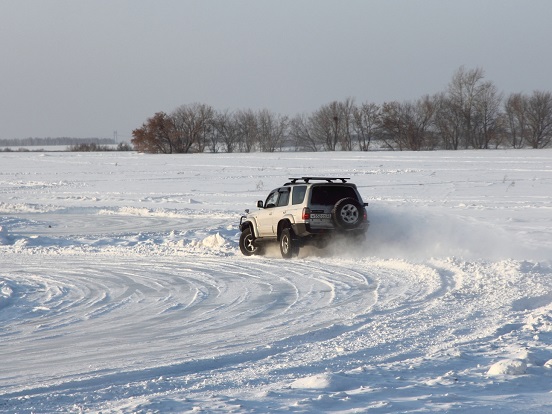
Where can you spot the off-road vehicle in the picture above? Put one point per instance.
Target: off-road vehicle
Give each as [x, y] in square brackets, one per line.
[306, 210]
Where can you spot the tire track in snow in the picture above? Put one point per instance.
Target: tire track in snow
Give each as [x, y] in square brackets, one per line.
[161, 312]
[206, 321]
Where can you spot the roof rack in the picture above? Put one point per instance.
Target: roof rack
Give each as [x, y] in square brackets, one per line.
[307, 179]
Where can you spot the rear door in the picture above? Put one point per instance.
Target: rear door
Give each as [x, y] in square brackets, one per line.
[281, 208]
[323, 198]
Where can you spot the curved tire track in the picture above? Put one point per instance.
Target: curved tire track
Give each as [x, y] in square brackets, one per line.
[161, 312]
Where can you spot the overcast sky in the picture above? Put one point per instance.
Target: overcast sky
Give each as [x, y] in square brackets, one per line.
[87, 68]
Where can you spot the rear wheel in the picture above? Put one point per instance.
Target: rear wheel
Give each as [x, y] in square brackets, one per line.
[247, 245]
[288, 244]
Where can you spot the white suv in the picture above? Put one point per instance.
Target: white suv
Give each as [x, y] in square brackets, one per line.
[304, 210]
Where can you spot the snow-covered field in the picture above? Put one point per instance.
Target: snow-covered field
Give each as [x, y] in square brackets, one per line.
[122, 288]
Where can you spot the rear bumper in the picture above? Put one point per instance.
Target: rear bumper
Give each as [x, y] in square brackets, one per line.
[305, 229]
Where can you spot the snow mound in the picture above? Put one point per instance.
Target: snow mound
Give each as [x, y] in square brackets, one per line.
[6, 293]
[538, 322]
[327, 381]
[214, 241]
[508, 367]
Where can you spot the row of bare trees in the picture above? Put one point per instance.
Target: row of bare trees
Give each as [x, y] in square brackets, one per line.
[470, 113]
[199, 128]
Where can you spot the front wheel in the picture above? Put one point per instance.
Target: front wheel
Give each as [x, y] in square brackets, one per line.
[247, 245]
[288, 244]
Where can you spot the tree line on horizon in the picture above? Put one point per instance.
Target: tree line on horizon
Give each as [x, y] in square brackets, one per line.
[54, 141]
[470, 114]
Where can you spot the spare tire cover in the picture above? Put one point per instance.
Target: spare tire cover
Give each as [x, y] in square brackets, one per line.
[348, 213]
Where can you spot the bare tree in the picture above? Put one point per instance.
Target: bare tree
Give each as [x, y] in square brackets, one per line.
[301, 132]
[366, 124]
[515, 110]
[272, 130]
[539, 119]
[206, 121]
[192, 124]
[325, 125]
[487, 115]
[213, 137]
[392, 125]
[422, 121]
[408, 125]
[332, 125]
[346, 122]
[448, 122]
[246, 124]
[469, 113]
[226, 131]
[462, 92]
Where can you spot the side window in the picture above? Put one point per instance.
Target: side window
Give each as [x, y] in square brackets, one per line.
[298, 194]
[272, 200]
[284, 198]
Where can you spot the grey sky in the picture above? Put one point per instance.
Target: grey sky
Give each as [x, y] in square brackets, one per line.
[85, 68]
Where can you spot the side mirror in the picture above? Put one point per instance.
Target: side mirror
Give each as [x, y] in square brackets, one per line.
[246, 211]
[260, 203]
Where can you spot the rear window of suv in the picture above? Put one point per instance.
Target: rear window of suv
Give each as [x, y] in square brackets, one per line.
[328, 195]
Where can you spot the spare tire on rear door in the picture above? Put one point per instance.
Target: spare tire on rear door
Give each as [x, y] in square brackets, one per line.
[348, 213]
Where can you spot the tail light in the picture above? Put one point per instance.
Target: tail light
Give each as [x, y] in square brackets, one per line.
[306, 213]
[365, 215]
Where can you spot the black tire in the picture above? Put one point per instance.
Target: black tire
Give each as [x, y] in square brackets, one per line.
[288, 244]
[247, 246]
[348, 213]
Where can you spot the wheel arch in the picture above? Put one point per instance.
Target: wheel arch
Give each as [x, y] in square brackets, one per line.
[283, 224]
[251, 225]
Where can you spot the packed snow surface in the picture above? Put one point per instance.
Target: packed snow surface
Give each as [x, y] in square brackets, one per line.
[122, 288]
